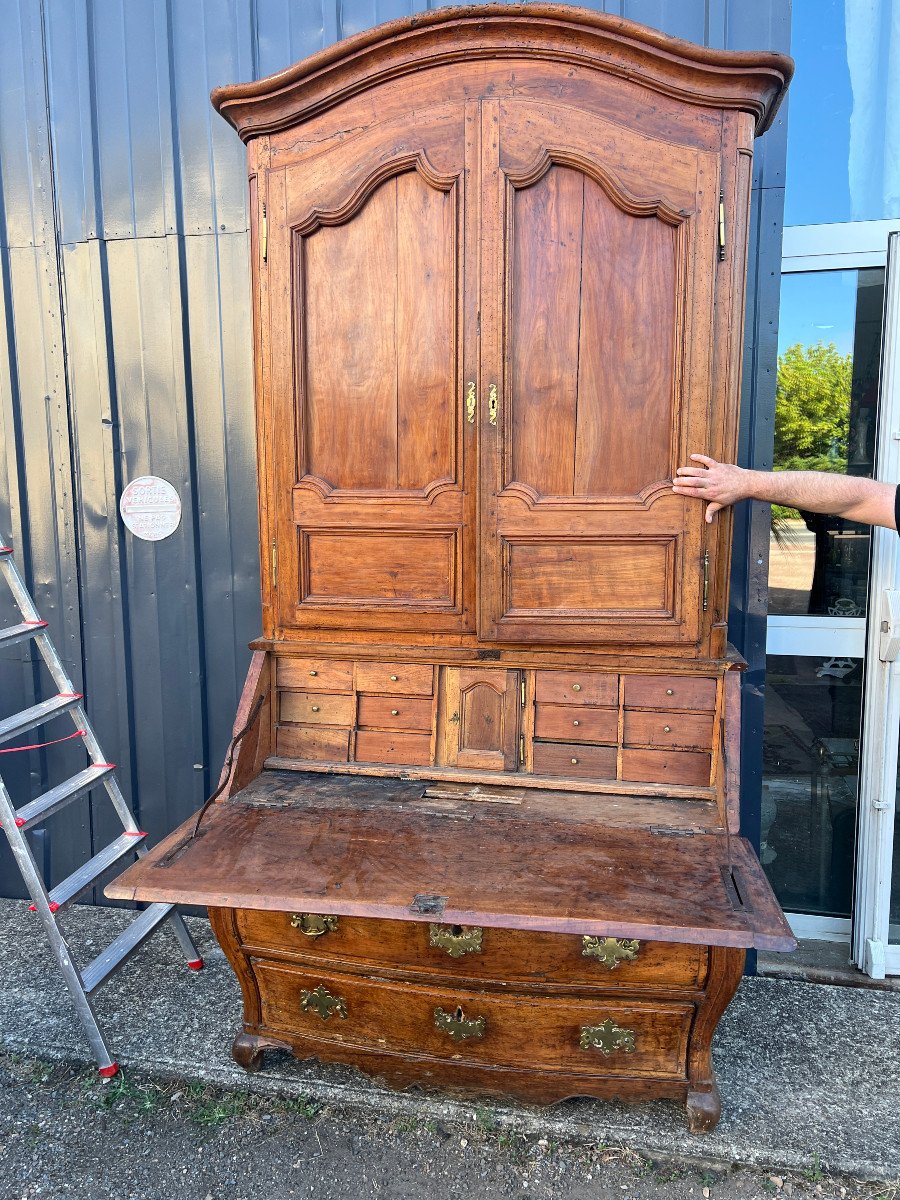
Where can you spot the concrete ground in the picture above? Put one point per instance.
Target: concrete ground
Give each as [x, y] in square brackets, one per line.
[809, 1074]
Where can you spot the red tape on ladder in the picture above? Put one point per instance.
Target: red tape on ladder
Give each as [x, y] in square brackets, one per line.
[54, 742]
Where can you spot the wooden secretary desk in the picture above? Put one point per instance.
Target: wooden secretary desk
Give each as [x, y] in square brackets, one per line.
[481, 828]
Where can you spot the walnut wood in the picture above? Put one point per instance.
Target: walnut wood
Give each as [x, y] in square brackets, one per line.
[491, 316]
[511, 867]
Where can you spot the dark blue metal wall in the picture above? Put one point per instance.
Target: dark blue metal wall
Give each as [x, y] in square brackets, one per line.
[125, 349]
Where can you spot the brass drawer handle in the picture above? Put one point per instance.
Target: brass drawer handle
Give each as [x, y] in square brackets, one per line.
[395, 712]
[574, 762]
[576, 723]
[576, 687]
[457, 940]
[315, 708]
[314, 673]
[608, 1038]
[323, 1003]
[458, 1025]
[667, 728]
[314, 925]
[670, 692]
[394, 678]
[610, 951]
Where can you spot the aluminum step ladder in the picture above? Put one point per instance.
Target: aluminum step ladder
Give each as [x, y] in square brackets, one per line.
[81, 982]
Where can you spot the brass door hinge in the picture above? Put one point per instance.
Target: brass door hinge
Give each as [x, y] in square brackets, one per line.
[274, 565]
[521, 749]
[721, 226]
[264, 233]
[705, 580]
[523, 693]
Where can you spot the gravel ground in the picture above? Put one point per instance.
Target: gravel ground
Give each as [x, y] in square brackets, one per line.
[65, 1134]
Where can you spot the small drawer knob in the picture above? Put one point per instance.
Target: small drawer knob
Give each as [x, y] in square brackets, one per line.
[394, 678]
[667, 728]
[315, 708]
[669, 692]
[576, 723]
[395, 712]
[574, 762]
[314, 673]
[576, 687]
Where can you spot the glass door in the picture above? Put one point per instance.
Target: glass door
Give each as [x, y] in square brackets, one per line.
[826, 420]
[876, 932]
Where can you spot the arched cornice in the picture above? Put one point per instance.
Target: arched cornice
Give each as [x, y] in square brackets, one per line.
[749, 82]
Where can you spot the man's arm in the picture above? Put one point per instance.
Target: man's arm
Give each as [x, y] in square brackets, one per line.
[851, 496]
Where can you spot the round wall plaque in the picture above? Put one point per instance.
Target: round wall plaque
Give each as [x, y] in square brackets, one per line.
[150, 508]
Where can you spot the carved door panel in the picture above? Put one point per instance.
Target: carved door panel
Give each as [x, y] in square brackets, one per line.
[481, 719]
[599, 251]
[371, 450]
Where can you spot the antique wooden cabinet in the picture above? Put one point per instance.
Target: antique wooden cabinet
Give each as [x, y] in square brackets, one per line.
[480, 829]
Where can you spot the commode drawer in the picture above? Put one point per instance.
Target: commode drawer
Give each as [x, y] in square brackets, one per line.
[402, 679]
[314, 674]
[317, 742]
[311, 708]
[618, 1037]
[669, 691]
[647, 727]
[576, 687]
[394, 712]
[574, 761]
[499, 956]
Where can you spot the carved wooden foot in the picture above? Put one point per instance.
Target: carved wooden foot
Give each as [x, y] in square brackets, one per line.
[704, 1107]
[247, 1051]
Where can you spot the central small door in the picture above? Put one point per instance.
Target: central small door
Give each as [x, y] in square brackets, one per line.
[599, 250]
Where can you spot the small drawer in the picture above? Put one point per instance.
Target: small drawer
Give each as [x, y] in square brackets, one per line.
[575, 761]
[314, 674]
[414, 949]
[312, 741]
[576, 687]
[407, 749]
[386, 712]
[613, 1036]
[395, 679]
[666, 766]
[576, 724]
[310, 708]
[669, 691]
[648, 727]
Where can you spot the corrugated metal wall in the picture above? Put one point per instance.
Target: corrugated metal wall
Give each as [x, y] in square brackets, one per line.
[125, 350]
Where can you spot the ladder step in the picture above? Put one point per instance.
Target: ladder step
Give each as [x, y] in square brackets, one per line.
[108, 960]
[73, 885]
[43, 806]
[27, 719]
[21, 633]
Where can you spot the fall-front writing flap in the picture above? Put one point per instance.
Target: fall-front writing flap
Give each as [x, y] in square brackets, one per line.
[406, 850]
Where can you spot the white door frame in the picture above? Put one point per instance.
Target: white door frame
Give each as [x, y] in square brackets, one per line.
[872, 948]
[855, 246]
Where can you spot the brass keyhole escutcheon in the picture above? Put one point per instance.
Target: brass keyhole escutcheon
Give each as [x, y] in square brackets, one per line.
[470, 417]
[458, 1025]
[314, 925]
[457, 940]
[492, 404]
[610, 951]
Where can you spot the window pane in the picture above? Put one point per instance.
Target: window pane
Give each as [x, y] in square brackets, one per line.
[843, 160]
[825, 420]
[811, 760]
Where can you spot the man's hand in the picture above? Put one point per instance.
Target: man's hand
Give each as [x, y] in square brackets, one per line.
[719, 484]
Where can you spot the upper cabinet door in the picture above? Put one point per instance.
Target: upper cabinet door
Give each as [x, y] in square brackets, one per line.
[599, 254]
[370, 443]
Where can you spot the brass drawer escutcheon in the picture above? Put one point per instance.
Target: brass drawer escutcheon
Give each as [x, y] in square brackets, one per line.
[322, 1002]
[458, 1025]
[608, 1038]
[457, 940]
[610, 951]
[314, 925]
